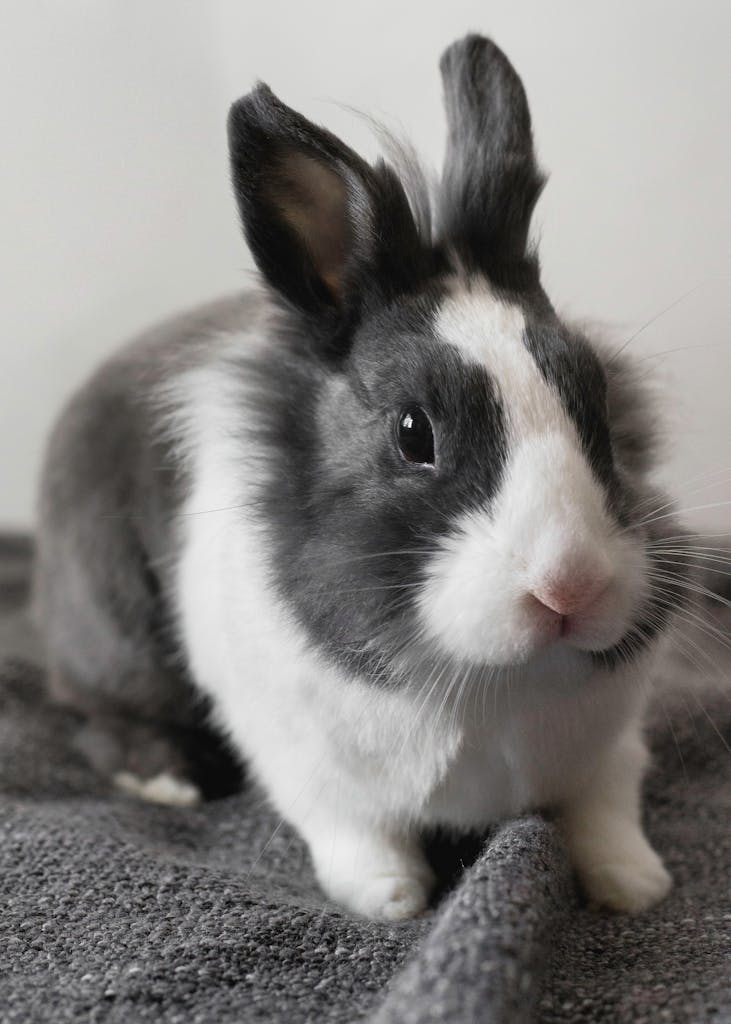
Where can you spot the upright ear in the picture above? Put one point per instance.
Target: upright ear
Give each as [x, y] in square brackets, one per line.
[323, 225]
[491, 180]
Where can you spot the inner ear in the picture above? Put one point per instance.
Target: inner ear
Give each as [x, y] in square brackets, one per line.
[312, 198]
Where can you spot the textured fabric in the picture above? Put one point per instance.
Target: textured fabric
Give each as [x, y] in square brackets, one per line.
[119, 911]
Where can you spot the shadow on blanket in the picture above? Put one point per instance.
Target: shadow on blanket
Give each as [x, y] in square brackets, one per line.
[119, 911]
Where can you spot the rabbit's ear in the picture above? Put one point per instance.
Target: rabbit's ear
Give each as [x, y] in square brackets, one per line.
[324, 227]
[491, 180]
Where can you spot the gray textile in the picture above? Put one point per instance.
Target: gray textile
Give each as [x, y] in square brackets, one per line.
[118, 911]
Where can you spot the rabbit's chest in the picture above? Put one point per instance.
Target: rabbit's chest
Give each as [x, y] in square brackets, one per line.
[523, 754]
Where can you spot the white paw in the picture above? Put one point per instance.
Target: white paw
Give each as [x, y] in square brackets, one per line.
[630, 886]
[391, 897]
[160, 789]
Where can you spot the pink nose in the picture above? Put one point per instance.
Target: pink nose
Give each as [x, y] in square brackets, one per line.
[567, 595]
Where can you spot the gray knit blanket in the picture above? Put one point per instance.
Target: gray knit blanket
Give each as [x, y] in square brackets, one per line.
[114, 910]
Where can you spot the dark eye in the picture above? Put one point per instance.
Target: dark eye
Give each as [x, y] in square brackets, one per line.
[415, 436]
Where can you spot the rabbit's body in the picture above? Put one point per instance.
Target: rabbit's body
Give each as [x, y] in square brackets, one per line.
[394, 540]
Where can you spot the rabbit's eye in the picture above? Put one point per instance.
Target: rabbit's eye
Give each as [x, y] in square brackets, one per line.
[415, 436]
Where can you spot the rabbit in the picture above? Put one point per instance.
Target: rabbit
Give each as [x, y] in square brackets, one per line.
[381, 520]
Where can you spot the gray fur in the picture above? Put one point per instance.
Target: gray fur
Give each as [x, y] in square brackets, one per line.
[107, 533]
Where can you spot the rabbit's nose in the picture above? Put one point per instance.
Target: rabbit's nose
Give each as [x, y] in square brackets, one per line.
[571, 594]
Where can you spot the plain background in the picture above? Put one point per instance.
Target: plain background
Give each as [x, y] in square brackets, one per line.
[116, 208]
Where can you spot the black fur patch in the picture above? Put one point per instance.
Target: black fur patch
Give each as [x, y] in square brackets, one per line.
[353, 524]
[571, 368]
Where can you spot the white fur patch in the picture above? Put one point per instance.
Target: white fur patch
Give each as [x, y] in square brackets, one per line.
[160, 789]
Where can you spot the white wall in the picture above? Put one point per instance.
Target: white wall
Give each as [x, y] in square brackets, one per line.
[116, 207]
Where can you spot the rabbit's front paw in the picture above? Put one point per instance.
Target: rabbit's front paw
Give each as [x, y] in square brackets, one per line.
[377, 874]
[390, 897]
[629, 884]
